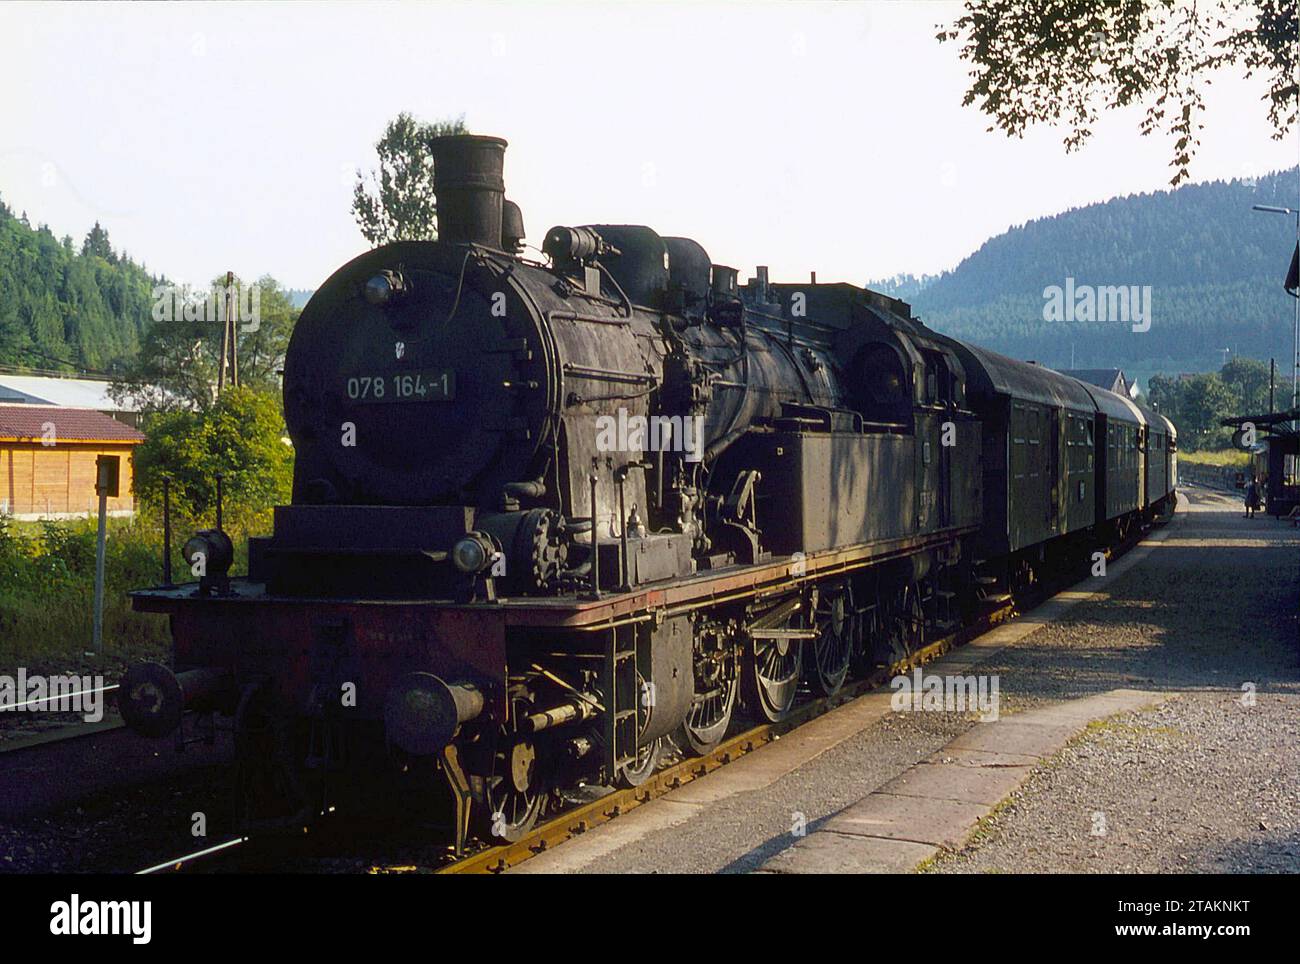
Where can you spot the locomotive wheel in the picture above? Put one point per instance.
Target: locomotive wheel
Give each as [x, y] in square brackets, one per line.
[831, 651]
[647, 761]
[772, 675]
[913, 620]
[716, 685]
[647, 754]
[901, 627]
[514, 792]
[867, 631]
[710, 715]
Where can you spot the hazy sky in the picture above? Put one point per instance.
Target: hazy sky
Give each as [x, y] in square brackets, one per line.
[805, 136]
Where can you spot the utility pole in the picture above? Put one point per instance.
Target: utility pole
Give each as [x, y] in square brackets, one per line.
[107, 473]
[232, 319]
[229, 337]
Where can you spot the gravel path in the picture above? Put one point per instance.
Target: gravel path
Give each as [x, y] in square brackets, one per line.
[1209, 781]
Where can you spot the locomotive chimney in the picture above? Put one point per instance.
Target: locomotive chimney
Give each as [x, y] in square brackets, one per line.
[471, 191]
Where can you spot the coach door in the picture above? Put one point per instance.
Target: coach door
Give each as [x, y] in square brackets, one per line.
[1053, 481]
[1030, 487]
[933, 508]
[940, 395]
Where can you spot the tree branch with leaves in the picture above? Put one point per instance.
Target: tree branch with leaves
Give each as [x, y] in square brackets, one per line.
[1062, 62]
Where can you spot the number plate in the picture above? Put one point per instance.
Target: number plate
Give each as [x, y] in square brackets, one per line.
[431, 385]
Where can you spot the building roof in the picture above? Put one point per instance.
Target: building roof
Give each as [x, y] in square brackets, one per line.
[48, 390]
[27, 422]
[1111, 379]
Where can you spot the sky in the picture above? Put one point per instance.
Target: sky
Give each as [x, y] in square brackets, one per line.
[800, 135]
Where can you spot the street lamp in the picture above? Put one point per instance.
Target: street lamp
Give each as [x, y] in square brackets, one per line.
[1295, 347]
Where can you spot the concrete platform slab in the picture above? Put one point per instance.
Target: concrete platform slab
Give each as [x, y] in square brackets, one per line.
[758, 770]
[827, 852]
[981, 758]
[1009, 735]
[950, 781]
[938, 822]
[937, 803]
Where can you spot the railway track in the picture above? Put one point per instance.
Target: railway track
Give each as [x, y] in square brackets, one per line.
[582, 817]
[587, 816]
[64, 734]
[188, 860]
[111, 720]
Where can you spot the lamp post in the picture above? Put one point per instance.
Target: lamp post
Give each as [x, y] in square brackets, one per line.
[1295, 346]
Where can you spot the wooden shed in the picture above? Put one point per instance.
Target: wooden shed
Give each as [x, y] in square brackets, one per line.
[47, 461]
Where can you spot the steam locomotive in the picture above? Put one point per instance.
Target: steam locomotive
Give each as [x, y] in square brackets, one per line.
[549, 516]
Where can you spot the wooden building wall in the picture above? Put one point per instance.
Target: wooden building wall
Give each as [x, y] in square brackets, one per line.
[59, 479]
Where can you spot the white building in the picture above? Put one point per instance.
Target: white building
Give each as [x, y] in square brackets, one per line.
[79, 393]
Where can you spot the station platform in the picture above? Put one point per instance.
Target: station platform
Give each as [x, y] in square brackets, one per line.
[936, 804]
[1147, 721]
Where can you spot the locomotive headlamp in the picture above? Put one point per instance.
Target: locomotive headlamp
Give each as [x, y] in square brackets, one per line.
[472, 553]
[209, 553]
[385, 288]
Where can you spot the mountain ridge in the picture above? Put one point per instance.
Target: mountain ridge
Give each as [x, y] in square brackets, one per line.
[1214, 266]
[68, 309]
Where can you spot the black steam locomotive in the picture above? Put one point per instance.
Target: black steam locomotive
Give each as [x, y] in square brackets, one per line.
[547, 516]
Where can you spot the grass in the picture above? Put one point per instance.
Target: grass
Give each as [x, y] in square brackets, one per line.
[1217, 459]
[47, 587]
[1115, 726]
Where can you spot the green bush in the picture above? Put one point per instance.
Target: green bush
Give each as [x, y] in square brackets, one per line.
[240, 436]
[47, 588]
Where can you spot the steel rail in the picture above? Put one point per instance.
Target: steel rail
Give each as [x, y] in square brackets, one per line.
[578, 820]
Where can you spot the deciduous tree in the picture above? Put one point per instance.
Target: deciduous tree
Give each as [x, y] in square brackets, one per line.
[177, 363]
[396, 201]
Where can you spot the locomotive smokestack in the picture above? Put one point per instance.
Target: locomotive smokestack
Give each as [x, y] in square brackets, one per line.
[467, 180]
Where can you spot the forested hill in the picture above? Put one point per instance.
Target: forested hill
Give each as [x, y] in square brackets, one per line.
[65, 305]
[1215, 268]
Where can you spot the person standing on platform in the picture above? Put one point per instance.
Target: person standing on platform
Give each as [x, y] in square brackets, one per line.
[1252, 497]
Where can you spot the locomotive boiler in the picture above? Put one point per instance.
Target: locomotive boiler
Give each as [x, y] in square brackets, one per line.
[550, 517]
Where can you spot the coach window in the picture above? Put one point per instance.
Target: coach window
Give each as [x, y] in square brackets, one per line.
[938, 380]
